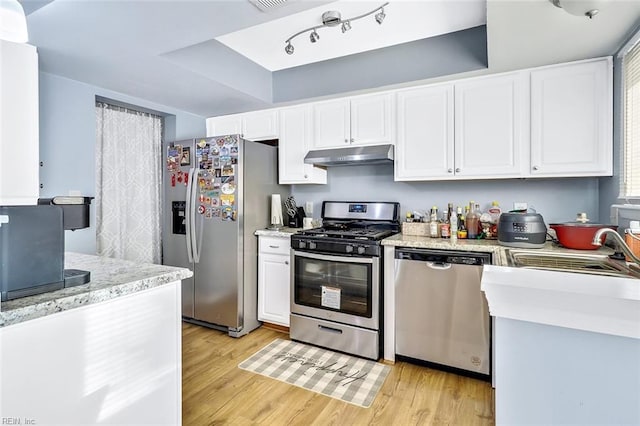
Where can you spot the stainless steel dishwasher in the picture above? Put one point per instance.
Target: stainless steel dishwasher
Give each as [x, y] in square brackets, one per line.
[442, 316]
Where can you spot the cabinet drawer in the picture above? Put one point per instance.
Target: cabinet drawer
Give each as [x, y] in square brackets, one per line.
[275, 245]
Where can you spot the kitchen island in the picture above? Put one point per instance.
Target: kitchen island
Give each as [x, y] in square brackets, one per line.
[104, 352]
[567, 346]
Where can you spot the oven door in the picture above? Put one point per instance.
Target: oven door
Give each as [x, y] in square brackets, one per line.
[336, 288]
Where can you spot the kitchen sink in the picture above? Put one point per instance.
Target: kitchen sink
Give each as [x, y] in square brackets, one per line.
[593, 264]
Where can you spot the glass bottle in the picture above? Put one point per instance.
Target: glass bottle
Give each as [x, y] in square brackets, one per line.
[433, 222]
[453, 226]
[471, 222]
[462, 229]
[445, 229]
[478, 213]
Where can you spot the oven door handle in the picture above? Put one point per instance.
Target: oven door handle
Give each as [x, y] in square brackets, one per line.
[334, 257]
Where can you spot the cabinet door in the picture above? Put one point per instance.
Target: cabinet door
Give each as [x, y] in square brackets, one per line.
[424, 149]
[293, 145]
[273, 288]
[571, 120]
[19, 148]
[331, 124]
[225, 125]
[260, 125]
[371, 120]
[491, 131]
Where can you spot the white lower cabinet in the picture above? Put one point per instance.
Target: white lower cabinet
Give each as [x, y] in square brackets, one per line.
[274, 279]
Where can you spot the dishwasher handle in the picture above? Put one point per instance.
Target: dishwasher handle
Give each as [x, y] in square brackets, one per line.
[441, 266]
[444, 256]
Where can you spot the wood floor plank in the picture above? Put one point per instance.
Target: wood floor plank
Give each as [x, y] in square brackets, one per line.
[216, 392]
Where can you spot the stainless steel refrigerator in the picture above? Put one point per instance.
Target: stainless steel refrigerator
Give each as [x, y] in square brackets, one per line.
[217, 193]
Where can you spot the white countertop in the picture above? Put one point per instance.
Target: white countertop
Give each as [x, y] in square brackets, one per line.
[601, 304]
[282, 232]
[110, 278]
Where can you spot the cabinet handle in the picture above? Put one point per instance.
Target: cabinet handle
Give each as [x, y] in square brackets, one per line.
[274, 246]
[535, 167]
[457, 170]
[352, 140]
[450, 171]
[306, 176]
[346, 141]
[286, 262]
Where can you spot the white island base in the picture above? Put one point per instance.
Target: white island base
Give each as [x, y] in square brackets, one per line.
[115, 361]
[566, 345]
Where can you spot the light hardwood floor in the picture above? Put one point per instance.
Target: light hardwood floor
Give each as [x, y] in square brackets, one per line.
[215, 391]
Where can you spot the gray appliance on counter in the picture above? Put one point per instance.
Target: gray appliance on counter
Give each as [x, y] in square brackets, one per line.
[32, 246]
[31, 250]
[442, 316]
[217, 193]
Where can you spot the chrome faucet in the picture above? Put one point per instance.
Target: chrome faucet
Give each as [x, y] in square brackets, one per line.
[621, 244]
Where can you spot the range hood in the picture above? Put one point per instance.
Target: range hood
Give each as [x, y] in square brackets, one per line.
[355, 155]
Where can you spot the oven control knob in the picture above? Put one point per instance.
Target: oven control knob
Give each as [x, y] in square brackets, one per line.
[302, 244]
[312, 245]
[348, 249]
[361, 250]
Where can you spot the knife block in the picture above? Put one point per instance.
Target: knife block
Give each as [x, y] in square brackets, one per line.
[296, 220]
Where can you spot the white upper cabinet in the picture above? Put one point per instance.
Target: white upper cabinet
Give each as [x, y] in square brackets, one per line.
[479, 132]
[255, 126]
[571, 119]
[362, 120]
[491, 126]
[331, 124]
[19, 129]
[260, 125]
[293, 145]
[424, 148]
[224, 125]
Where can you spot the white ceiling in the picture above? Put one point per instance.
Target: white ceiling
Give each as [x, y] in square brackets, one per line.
[405, 21]
[167, 51]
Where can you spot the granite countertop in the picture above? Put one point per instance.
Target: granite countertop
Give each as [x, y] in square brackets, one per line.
[110, 278]
[282, 232]
[486, 246]
[498, 252]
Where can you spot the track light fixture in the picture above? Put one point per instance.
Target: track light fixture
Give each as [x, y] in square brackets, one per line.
[333, 18]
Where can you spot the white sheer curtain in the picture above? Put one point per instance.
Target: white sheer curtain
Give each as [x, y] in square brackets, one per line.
[128, 178]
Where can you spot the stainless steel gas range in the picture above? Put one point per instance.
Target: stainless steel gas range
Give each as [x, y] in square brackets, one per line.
[336, 290]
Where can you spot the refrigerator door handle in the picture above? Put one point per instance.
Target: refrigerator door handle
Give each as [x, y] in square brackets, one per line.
[188, 222]
[192, 218]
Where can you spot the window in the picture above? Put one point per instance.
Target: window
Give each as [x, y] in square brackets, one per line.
[630, 179]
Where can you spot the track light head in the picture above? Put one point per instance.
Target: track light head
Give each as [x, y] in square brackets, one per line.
[289, 48]
[333, 18]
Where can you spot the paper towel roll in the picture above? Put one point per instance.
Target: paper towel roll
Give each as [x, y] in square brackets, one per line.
[276, 210]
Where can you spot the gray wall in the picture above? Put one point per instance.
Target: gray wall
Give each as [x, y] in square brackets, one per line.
[558, 200]
[456, 52]
[67, 141]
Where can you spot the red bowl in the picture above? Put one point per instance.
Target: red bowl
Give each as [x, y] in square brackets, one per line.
[579, 236]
